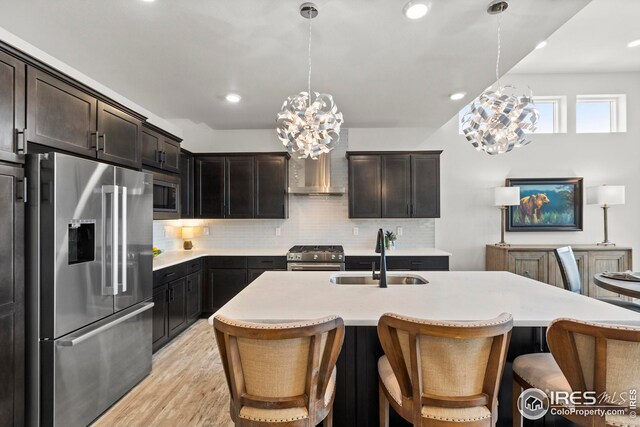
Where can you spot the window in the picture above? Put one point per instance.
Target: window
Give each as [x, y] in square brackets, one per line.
[553, 114]
[601, 113]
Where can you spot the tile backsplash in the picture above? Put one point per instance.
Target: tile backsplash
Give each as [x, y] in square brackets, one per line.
[312, 220]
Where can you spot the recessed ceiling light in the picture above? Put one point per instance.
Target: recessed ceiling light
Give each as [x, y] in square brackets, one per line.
[233, 97]
[415, 10]
[634, 43]
[457, 96]
[542, 44]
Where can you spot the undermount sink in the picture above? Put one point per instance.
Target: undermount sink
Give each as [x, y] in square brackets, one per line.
[368, 280]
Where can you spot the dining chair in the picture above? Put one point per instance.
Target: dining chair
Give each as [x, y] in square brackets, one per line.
[280, 374]
[572, 281]
[442, 374]
[584, 356]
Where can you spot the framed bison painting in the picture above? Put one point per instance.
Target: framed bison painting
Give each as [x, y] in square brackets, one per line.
[546, 204]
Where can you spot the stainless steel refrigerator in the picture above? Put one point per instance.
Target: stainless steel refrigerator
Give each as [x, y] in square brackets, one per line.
[89, 287]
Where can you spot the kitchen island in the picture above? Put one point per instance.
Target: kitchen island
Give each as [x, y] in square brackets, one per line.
[288, 296]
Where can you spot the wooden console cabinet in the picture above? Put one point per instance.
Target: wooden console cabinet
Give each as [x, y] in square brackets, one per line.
[538, 262]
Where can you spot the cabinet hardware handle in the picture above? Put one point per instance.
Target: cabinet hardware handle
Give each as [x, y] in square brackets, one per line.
[95, 146]
[527, 274]
[408, 210]
[104, 142]
[158, 156]
[412, 211]
[21, 149]
[170, 274]
[163, 157]
[416, 262]
[23, 181]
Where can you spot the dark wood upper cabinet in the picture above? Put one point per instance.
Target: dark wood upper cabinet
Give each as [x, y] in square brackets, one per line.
[239, 187]
[12, 108]
[150, 150]
[118, 136]
[210, 186]
[425, 185]
[187, 187]
[271, 187]
[59, 115]
[170, 155]
[12, 321]
[159, 151]
[365, 188]
[396, 186]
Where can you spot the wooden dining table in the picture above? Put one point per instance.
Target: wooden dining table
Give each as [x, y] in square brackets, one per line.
[622, 287]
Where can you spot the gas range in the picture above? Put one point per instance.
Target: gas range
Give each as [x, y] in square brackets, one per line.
[315, 258]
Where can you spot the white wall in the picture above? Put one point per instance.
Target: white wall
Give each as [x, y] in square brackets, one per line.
[468, 220]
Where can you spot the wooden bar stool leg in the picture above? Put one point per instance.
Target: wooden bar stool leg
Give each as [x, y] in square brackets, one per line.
[515, 394]
[384, 407]
[328, 420]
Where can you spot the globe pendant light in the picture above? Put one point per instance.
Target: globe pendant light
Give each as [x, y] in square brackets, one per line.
[309, 122]
[498, 120]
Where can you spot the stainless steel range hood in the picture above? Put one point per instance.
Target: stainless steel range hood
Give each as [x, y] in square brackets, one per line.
[317, 178]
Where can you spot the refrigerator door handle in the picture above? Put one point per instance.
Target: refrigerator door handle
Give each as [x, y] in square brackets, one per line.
[112, 224]
[125, 250]
[72, 341]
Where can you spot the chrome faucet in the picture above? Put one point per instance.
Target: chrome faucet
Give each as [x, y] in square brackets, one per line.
[380, 249]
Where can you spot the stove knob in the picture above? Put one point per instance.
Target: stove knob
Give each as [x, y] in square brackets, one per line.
[333, 257]
[315, 257]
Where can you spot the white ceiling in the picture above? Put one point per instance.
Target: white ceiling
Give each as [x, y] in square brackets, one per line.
[178, 58]
[594, 40]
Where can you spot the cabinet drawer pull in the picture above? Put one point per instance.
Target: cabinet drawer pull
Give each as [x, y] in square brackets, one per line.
[23, 181]
[267, 261]
[173, 273]
[416, 262]
[21, 149]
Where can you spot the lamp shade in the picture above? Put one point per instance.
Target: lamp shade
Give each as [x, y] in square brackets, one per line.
[506, 196]
[605, 195]
[187, 232]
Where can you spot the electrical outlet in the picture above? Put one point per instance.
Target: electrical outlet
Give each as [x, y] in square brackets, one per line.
[278, 231]
[355, 231]
[399, 231]
[205, 231]
[165, 232]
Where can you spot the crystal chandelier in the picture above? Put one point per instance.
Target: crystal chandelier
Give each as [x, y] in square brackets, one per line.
[498, 120]
[309, 122]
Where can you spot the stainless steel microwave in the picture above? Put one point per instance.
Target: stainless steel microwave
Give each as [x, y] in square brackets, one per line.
[166, 196]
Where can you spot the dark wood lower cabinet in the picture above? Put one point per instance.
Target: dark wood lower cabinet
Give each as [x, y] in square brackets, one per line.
[177, 300]
[177, 306]
[222, 285]
[160, 317]
[399, 263]
[12, 319]
[194, 284]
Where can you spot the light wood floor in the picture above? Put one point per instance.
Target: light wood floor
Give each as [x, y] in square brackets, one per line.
[186, 387]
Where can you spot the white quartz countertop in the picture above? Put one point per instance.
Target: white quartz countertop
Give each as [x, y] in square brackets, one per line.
[451, 295]
[169, 258]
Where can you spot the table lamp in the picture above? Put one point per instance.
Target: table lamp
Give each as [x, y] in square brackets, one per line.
[605, 196]
[187, 233]
[503, 198]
